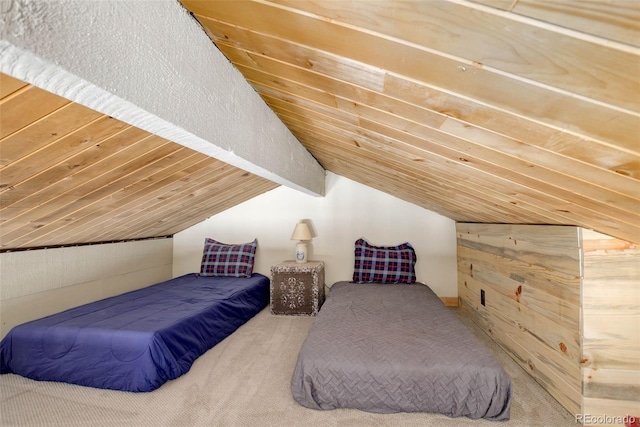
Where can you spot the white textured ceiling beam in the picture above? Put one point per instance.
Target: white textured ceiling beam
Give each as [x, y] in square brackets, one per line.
[149, 64]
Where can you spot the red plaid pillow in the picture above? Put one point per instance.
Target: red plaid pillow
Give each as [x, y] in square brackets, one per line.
[384, 264]
[221, 259]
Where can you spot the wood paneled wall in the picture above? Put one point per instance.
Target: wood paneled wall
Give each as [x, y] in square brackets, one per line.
[610, 326]
[564, 302]
[530, 276]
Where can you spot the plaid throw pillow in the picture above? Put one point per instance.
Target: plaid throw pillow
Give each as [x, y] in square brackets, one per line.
[221, 259]
[384, 264]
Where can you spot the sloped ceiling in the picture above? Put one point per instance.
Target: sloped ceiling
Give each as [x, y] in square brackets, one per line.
[70, 175]
[490, 111]
[497, 111]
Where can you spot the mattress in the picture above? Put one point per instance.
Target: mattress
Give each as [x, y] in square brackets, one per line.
[396, 348]
[138, 340]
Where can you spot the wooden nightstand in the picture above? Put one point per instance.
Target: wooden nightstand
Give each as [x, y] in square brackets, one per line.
[297, 289]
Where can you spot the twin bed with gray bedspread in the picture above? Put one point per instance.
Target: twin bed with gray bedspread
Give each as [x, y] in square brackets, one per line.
[396, 348]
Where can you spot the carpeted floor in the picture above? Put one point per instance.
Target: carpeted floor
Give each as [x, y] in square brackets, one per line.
[243, 381]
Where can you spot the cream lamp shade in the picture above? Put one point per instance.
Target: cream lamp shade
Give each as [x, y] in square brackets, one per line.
[302, 234]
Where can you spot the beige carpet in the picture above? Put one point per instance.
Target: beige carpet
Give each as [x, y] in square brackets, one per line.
[243, 381]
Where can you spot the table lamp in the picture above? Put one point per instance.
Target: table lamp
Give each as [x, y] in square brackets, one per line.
[302, 234]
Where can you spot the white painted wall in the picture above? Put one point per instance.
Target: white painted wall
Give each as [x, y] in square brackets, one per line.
[347, 212]
[37, 283]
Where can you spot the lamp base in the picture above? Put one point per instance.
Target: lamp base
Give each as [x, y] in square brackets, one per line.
[301, 252]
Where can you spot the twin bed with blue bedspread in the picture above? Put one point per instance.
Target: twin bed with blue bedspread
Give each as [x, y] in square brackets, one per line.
[139, 340]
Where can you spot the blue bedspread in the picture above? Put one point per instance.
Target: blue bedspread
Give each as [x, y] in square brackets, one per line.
[135, 341]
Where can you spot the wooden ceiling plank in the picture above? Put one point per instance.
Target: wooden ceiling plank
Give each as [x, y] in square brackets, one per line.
[539, 102]
[492, 151]
[613, 159]
[9, 85]
[446, 170]
[340, 91]
[450, 173]
[616, 182]
[165, 203]
[612, 20]
[379, 180]
[563, 212]
[190, 198]
[554, 189]
[178, 223]
[67, 163]
[164, 174]
[89, 185]
[497, 4]
[457, 205]
[54, 180]
[204, 211]
[281, 85]
[445, 179]
[36, 135]
[568, 181]
[560, 208]
[484, 155]
[504, 42]
[205, 205]
[286, 109]
[631, 232]
[135, 204]
[15, 97]
[610, 155]
[268, 46]
[30, 105]
[55, 216]
[528, 130]
[624, 179]
[520, 150]
[303, 106]
[56, 160]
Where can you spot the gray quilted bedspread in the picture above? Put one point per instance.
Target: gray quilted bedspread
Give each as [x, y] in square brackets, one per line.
[397, 348]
